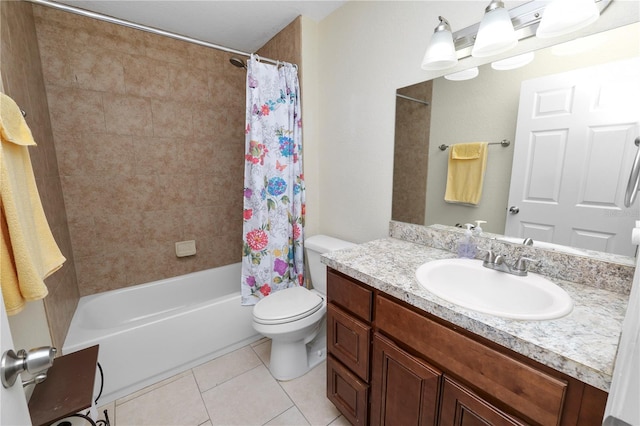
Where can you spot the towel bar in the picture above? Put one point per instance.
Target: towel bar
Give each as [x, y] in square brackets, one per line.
[505, 143]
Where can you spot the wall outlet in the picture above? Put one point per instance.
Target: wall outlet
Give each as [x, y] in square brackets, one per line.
[185, 248]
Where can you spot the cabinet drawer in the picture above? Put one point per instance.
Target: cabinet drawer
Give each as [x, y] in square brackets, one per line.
[347, 392]
[348, 340]
[461, 407]
[350, 295]
[534, 394]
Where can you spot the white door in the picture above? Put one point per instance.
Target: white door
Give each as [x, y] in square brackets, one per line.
[13, 403]
[573, 152]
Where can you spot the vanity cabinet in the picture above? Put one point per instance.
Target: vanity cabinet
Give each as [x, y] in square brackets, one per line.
[391, 363]
[349, 314]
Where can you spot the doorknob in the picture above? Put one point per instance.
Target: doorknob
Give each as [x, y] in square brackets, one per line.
[514, 210]
[34, 361]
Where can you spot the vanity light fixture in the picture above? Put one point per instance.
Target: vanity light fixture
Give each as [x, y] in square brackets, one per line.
[496, 33]
[441, 52]
[523, 21]
[566, 16]
[513, 62]
[467, 74]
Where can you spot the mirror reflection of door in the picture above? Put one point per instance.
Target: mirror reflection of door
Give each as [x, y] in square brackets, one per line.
[574, 147]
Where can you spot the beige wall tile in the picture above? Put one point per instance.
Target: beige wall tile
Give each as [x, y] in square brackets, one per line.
[90, 154]
[127, 115]
[98, 70]
[75, 110]
[149, 134]
[172, 119]
[147, 77]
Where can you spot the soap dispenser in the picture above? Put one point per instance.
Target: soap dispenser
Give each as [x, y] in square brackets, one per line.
[478, 230]
[466, 246]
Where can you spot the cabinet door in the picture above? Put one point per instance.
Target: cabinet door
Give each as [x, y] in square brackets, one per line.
[348, 340]
[347, 392]
[404, 389]
[461, 407]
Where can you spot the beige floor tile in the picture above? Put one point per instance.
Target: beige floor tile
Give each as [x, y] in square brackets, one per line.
[340, 421]
[79, 421]
[259, 342]
[252, 398]
[111, 412]
[152, 387]
[221, 369]
[263, 351]
[309, 394]
[176, 403]
[291, 417]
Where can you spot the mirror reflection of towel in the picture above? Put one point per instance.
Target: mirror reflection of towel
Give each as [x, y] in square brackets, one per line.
[465, 173]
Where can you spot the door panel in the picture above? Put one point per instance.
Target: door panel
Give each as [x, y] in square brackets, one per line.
[404, 389]
[573, 153]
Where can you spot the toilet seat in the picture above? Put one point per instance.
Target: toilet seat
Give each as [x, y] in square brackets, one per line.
[287, 305]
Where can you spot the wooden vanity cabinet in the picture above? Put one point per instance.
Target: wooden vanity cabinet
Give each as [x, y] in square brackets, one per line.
[391, 363]
[349, 314]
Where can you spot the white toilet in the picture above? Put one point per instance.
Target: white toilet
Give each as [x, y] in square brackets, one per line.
[294, 318]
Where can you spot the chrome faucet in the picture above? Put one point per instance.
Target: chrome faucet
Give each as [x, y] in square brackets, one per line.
[528, 242]
[497, 263]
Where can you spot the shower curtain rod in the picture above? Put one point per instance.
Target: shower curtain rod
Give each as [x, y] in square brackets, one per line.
[152, 30]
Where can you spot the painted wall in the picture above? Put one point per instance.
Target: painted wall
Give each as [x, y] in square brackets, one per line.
[366, 51]
[22, 80]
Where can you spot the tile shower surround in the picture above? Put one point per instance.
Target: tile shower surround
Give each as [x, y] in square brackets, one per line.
[150, 143]
[132, 187]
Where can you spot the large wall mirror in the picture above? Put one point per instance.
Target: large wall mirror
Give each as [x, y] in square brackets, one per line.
[486, 109]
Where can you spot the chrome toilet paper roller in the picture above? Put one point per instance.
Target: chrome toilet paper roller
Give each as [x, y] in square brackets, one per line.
[35, 362]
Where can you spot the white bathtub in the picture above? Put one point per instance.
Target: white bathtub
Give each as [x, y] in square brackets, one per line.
[152, 331]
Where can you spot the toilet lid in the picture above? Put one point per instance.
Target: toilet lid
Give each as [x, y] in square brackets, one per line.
[287, 305]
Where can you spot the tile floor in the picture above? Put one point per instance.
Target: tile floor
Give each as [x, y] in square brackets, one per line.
[235, 389]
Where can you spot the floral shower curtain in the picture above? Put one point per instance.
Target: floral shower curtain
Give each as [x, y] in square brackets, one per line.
[274, 199]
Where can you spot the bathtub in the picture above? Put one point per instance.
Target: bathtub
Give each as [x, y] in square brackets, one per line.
[152, 331]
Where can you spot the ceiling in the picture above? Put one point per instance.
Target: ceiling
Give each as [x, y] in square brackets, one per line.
[244, 25]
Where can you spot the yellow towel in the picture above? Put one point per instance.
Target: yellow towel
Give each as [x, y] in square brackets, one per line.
[465, 174]
[28, 251]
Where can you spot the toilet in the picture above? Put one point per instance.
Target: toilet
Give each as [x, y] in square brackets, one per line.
[294, 319]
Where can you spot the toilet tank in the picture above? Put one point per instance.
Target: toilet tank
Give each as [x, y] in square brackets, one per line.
[316, 246]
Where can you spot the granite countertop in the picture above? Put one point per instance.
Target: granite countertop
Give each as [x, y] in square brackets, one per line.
[582, 344]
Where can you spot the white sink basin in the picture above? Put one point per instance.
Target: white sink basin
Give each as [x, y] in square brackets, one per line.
[467, 283]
